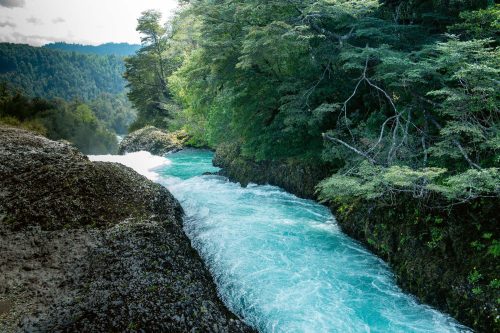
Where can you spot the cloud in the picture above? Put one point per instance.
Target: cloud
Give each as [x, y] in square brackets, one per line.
[12, 3]
[34, 20]
[7, 24]
[58, 20]
[19, 38]
[39, 40]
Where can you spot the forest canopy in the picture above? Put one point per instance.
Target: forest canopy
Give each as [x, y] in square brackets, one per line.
[42, 72]
[66, 83]
[401, 96]
[117, 49]
[57, 119]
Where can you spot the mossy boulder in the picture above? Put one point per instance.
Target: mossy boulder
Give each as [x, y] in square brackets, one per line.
[154, 140]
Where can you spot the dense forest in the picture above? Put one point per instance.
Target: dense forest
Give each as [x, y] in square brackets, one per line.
[57, 119]
[117, 49]
[67, 95]
[41, 72]
[399, 98]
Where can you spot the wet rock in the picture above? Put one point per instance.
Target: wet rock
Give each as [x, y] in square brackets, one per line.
[153, 140]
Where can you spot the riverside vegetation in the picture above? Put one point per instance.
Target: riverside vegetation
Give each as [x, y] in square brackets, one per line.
[395, 103]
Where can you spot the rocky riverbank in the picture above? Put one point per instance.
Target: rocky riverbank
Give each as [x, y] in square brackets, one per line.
[295, 177]
[95, 247]
[445, 255]
[153, 140]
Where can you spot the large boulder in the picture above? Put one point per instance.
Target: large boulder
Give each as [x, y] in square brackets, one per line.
[153, 140]
[95, 247]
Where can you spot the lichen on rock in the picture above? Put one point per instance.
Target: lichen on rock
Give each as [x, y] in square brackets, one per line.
[154, 140]
[95, 247]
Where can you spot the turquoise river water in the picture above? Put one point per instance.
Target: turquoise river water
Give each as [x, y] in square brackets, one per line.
[281, 263]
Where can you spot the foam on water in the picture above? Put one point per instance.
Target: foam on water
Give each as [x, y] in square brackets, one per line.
[282, 263]
[142, 162]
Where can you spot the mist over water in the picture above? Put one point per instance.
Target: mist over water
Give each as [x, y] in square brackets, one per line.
[280, 262]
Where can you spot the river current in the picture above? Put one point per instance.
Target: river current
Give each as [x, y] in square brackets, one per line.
[281, 263]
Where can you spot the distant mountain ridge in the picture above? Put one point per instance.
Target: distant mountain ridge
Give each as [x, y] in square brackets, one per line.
[117, 49]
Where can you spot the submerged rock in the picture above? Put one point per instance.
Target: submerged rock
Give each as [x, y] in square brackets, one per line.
[153, 140]
[95, 247]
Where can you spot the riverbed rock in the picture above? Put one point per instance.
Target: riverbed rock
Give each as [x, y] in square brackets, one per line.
[154, 140]
[95, 247]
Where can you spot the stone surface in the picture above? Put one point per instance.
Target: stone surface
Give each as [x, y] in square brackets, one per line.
[153, 140]
[95, 247]
[296, 177]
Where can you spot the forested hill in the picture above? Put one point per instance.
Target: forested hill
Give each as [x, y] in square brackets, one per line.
[42, 72]
[118, 49]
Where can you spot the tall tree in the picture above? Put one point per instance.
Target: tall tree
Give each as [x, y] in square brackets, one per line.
[147, 73]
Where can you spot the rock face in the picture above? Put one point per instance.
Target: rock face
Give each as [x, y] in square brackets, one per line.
[434, 252]
[296, 177]
[153, 140]
[95, 247]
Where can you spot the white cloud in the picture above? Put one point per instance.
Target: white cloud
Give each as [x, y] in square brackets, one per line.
[7, 24]
[12, 3]
[19, 38]
[94, 21]
[58, 20]
[34, 20]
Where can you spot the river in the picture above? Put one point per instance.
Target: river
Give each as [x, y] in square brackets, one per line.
[280, 262]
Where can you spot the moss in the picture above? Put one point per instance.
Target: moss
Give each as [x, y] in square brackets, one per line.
[154, 140]
[441, 256]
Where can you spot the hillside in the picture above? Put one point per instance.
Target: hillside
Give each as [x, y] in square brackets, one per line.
[42, 72]
[117, 49]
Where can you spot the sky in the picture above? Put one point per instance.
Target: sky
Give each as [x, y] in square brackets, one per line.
[92, 22]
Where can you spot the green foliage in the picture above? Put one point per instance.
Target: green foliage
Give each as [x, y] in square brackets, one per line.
[494, 249]
[75, 122]
[370, 182]
[42, 72]
[114, 111]
[433, 14]
[479, 24]
[379, 87]
[436, 238]
[475, 277]
[147, 73]
[30, 125]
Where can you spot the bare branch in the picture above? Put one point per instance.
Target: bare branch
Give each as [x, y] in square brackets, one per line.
[357, 151]
[457, 143]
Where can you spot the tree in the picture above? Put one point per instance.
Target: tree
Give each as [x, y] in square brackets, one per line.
[147, 73]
